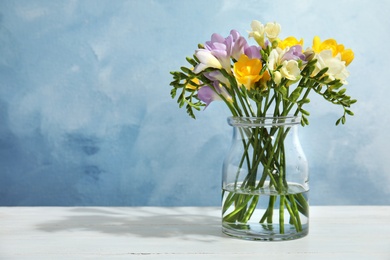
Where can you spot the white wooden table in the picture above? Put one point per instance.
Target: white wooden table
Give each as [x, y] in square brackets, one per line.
[348, 232]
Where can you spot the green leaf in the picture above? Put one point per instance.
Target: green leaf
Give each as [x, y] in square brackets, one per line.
[244, 90]
[187, 70]
[304, 101]
[304, 121]
[321, 73]
[349, 112]
[181, 102]
[173, 93]
[190, 112]
[283, 90]
[191, 61]
[295, 94]
[304, 112]
[342, 91]
[335, 85]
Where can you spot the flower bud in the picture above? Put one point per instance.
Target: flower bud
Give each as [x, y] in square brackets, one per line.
[277, 77]
[309, 54]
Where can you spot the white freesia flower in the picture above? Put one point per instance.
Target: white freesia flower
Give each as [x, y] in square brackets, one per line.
[336, 67]
[273, 59]
[272, 30]
[257, 32]
[290, 70]
[277, 77]
[273, 62]
[207, 60]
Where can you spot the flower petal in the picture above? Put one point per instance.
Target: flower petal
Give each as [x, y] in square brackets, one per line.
[207, 60]
[207, 95]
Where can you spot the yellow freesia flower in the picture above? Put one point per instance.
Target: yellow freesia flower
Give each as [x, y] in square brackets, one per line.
[264, 79]
[193, 84]
[289, 41]
[247, 71]
[347, 55]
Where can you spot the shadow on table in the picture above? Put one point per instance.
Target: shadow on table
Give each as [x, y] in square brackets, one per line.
[139, 221]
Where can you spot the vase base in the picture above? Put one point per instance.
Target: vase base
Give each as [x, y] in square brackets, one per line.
[264, 232]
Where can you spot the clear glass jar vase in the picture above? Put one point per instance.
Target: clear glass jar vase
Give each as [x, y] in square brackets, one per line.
[265, 182]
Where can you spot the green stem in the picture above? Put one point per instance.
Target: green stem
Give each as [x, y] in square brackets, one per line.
[281, 214]
[294, 218]
[251, 208]
[295, 213]
[269, 211]
[243, 200]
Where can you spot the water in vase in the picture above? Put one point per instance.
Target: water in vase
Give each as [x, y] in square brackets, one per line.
[265, 214]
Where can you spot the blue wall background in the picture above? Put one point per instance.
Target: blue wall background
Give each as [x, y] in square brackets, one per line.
[86, 116]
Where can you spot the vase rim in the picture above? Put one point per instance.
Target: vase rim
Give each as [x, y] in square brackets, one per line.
[244, 121]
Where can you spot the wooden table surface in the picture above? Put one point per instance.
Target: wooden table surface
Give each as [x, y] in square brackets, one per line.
[336, 232]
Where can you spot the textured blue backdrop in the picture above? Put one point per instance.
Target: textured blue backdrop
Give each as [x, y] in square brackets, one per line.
[86, 117]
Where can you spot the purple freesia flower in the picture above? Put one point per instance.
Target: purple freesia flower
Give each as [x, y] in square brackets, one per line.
[236, 44]
[208, 95]
[294, 53]
[253, 52]
[219, 51]
[217, 47]
[216, 75]
[224, 49]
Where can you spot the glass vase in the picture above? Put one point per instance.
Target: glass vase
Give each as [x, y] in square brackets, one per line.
[265, 184]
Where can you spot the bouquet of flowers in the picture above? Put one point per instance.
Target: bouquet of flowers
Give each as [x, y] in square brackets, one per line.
[271, 78]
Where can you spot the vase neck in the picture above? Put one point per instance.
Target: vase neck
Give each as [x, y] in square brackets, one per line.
[268, 121]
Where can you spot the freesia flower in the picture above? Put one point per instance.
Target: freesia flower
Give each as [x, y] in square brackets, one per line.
[289, 42]
[309, 54]
[232, 64]
[236, 44]
[288, 58]
[207, 60]
[223, 49]
[272, 31]
[272, 64]
[290, 70]
[264, 79]
[277, 77]
[336, 67]
[258, 32]
[247, 71]
[193, 84]
[293, 53]
[217, 47]
[208, 94]
[216, 75]
[253, 52]
[273, 59]
[347, 55]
